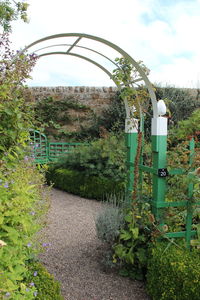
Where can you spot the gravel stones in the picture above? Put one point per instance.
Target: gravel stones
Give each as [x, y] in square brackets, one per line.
[74, 253]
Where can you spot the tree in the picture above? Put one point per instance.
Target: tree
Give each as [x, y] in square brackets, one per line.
[10, 11]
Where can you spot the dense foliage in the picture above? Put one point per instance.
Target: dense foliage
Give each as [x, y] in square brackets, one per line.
[186, 129]
[23, 202]
[181, 102]
[46, 286]
[104, 157]
[94, 170]
[173, 273]
[22, 206]
[15, 115]
[76, 182]
[127, 231]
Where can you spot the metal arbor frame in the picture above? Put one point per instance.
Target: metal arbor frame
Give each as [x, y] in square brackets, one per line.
[159, 124]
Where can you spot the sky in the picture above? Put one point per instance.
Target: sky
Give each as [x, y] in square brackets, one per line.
[164, 34]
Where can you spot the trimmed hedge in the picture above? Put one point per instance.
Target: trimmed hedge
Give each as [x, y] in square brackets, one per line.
[173, 273]
[46, 286]
[76, 182]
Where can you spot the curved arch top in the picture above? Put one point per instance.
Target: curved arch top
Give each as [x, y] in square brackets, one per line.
[105, 42]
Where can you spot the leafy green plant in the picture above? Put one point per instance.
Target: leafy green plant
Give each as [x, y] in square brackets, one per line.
[11, 10]
[22, 206]
[103, 158]
[186, 128]
[181, 102]
[15, 115]
[131, 248]
[22, 201]
[46, 287]
[173, 273]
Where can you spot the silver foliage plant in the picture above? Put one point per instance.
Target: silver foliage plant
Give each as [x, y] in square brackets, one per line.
[109, 221]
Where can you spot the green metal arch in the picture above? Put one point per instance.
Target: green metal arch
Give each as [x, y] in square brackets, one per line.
[86, 48]
[108, 43]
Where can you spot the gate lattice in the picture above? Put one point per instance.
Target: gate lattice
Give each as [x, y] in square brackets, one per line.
[44, 151]
[39, 145]
[189, 204]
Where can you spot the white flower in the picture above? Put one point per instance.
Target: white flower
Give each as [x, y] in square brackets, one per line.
[2, 243]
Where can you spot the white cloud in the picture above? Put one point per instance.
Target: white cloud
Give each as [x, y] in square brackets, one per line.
[163, 34]
[181, 73]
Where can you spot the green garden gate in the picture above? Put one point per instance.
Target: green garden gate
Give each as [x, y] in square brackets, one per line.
[159, 206]
[44, 151]
[39, 147]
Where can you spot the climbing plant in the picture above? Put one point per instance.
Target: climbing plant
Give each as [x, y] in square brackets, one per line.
[136, 97]
[54, 115]
[10, 11]
[124, 76]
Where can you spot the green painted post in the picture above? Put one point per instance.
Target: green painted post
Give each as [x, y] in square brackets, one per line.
[159, 150]
[131, 140]
[189, 203]
[141, 157]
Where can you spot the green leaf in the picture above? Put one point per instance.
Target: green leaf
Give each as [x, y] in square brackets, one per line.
[125, 235]
[12, 233]
[119, 250]
[124, 272]
[130, 256]
[128, 218]
[135, 232]
[1, 219]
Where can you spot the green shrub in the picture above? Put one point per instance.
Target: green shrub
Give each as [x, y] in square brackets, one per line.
[92, 171]
[180, 105]
[23, 202]
[131, 248]
[22, 206]
[45, 284]
[15, 115]
[173, 273]
[91, 187]
[186, 128]
[182, 102]
[102, 158]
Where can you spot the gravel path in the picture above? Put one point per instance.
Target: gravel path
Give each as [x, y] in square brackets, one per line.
[74, 253]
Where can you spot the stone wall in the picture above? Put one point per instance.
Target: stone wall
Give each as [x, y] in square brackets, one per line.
[95, 97]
